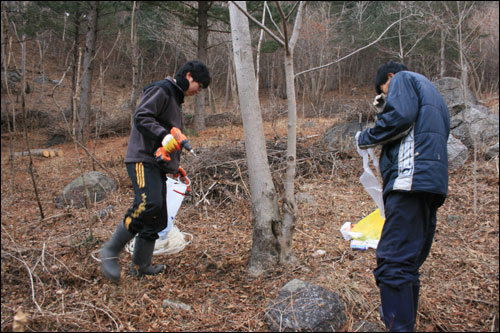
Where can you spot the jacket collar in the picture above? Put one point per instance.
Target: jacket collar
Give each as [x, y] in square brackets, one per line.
[178, 91]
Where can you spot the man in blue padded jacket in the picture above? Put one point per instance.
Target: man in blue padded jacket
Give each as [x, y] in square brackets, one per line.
[413, 127]
[159, 110]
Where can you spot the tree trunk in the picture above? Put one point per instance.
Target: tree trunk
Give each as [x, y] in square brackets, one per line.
[257, 61]
[31, 167]
[135, 59]
[199, 109]
[265, 211]
[74, 67]
[442, 54]
[85, 92]
[228, 84]
[289, 206]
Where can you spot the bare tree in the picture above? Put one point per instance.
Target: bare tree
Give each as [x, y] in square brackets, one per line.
[280, 230]
[259, 45]
[9, 101]
[86, 87]
[135, 57]
[199, 109]
[289, 206]
[265, 212]
[31, 168]
[459, 16]
[442, 54]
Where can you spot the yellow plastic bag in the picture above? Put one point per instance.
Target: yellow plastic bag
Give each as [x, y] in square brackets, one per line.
[369, 228]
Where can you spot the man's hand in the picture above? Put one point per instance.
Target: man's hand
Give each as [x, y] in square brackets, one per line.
[379, 102]
[161, 155]
[170, 144]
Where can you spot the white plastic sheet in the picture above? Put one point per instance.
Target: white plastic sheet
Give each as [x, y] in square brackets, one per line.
[175, 194]
[368, 178]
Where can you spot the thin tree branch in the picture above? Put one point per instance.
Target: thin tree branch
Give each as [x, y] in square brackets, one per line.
[296, 27]
[293, 9]
[356, 51]
[271, 18]
[285, 30]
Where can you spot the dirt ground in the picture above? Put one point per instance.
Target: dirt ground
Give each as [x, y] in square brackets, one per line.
[51, 281]
[49, 274]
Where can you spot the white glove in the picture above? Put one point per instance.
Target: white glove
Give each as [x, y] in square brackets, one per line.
[379, 102]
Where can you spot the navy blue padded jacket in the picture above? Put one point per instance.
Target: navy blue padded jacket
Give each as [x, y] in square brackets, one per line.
[413, 130]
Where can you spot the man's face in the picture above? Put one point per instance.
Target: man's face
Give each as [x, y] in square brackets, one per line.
[194, 87]
[385, 87]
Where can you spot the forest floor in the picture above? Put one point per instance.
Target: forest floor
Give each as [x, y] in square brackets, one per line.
[51, 281]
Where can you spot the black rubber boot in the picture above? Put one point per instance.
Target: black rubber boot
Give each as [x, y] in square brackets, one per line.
[111, 250]
[397, 307]
[143, 253]
[416, 292]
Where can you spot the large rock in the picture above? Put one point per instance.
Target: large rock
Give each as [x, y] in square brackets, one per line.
[98, 185]
[491, 152]
[483, 126]
[304, 307]
[451, 90]
[457, 153]
[341, 136]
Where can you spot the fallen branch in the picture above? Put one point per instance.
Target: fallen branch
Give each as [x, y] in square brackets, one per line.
[40, 152]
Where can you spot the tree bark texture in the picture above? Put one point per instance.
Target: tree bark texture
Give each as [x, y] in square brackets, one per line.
[135, 57]
[86, 87]
[199, 109]
[289, 205]
[265, 211]
[74, 66]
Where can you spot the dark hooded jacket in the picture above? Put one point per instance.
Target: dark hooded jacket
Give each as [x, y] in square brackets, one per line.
[413, 129]
[160, 109]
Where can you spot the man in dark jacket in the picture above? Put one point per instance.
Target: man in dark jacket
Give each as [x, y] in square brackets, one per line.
[160, 109]
[413, 130]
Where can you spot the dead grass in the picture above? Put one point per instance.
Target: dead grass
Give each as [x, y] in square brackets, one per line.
[49, 273]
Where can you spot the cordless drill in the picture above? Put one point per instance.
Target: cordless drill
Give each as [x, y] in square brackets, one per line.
[172, 142]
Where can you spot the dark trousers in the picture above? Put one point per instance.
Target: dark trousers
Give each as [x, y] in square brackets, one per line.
[148, 214]
[405, 243]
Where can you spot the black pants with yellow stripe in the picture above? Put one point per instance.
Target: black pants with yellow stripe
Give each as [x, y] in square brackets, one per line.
[148, 215]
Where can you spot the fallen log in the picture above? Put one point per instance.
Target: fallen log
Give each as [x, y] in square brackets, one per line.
[40, 152]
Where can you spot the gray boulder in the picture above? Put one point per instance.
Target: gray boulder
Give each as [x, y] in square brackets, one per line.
[451, 90]
[304, 307]
[483, 126]
[457, 153]
[491, 152]
[98, 185]
[341, 136]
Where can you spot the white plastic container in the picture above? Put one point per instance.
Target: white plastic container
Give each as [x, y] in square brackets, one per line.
[176, 191]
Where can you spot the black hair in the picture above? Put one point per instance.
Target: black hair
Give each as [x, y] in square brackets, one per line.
[383, 73]
[198, 71]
